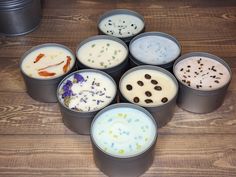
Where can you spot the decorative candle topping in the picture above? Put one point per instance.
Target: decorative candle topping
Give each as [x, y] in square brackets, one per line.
[202, 73]
[121, 25]
[156, 50]
[102, 53]
[123, 132]
[48, 62]
[87, 91]
[149, 87]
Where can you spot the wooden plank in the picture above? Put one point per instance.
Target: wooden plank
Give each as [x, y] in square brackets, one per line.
[175, 155]
[22, 115]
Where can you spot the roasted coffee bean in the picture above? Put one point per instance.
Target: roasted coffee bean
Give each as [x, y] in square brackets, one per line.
[129, 87]
[136, 99]
[158, 88]
[147, 76]
[148, 101]
[140, 83]
[154, 82]
[164, 100]
[148, 94]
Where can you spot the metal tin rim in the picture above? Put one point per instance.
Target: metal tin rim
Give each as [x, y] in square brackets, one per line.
[125, 105]
[13, 4]
[46, 45]
[203, 54]
[97, 37]
[156, 33]
[82, 71]
[156, 68]
[121, 11]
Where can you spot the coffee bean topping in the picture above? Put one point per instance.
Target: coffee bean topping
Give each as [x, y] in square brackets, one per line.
[158, 88]
[154, 82]
[140, 83]
[164, 100]
[148, 101]
[148, 94]
[129, 87]
[147, 76]
[136, 99]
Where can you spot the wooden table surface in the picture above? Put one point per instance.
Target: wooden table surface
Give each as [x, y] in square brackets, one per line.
[35, 142]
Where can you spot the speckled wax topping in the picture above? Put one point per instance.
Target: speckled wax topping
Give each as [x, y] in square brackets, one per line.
[147, 87]
[87, 91]
[155, 50]
[121, 25]
[48, 62]
[202, 73]
[102, 53]
[123, 132]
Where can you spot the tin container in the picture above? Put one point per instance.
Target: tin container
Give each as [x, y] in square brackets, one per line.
[126, 165]
[44, 90]
[201, 101]
[110, 13]
[80, 121]
[18, 17]
[115, 71]
[166, 65]
[162, 112]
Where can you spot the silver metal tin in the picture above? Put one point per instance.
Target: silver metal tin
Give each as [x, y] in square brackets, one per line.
[43, 90]
[116, 71]
[199, 101]
[135, 62]
[80, 121]
[126, 166]
[121, 11]
[162, 113]
[18, 17]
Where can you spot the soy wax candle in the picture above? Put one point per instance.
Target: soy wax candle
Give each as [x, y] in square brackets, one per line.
[153, 88]
[43, 67]
[121, 23]
[203, 79]
[154, 48]
[105, 53]
[123, 137]
[81, 95]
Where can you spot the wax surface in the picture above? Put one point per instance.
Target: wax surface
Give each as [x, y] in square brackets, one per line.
[156, 50]
[102, 53]
[123, 132]
[147, 87]
[121, 25]
[87, 91]
[202, 73]
[48, 62]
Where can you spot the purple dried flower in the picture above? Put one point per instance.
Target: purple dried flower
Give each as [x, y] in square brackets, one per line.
[67, 86]
[78, 77]
[67, 93]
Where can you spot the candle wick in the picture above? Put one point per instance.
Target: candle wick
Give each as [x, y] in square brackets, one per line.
[49, 66]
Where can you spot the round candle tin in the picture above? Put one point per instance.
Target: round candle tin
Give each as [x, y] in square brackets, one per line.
[123, 136]
[105, 53]
[121, 23]
[153, 88]
[18, 17]
[81, 95]
[43, 67]
[203, 81]
[154, 48]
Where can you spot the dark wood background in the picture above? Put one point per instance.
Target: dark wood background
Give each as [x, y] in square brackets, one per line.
[33, 139]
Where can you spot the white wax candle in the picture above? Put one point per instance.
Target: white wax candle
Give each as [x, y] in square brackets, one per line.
[121, 25]
[202, 73]
[155, 50]
[123, 132]
[147, 87]
[102, 53]
[87, 91]
[48, 62]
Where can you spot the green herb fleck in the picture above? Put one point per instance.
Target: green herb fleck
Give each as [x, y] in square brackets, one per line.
[93, 45]
[108, 44]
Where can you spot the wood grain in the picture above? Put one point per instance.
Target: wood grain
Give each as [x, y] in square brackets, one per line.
[35, 142]
[57, 155]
